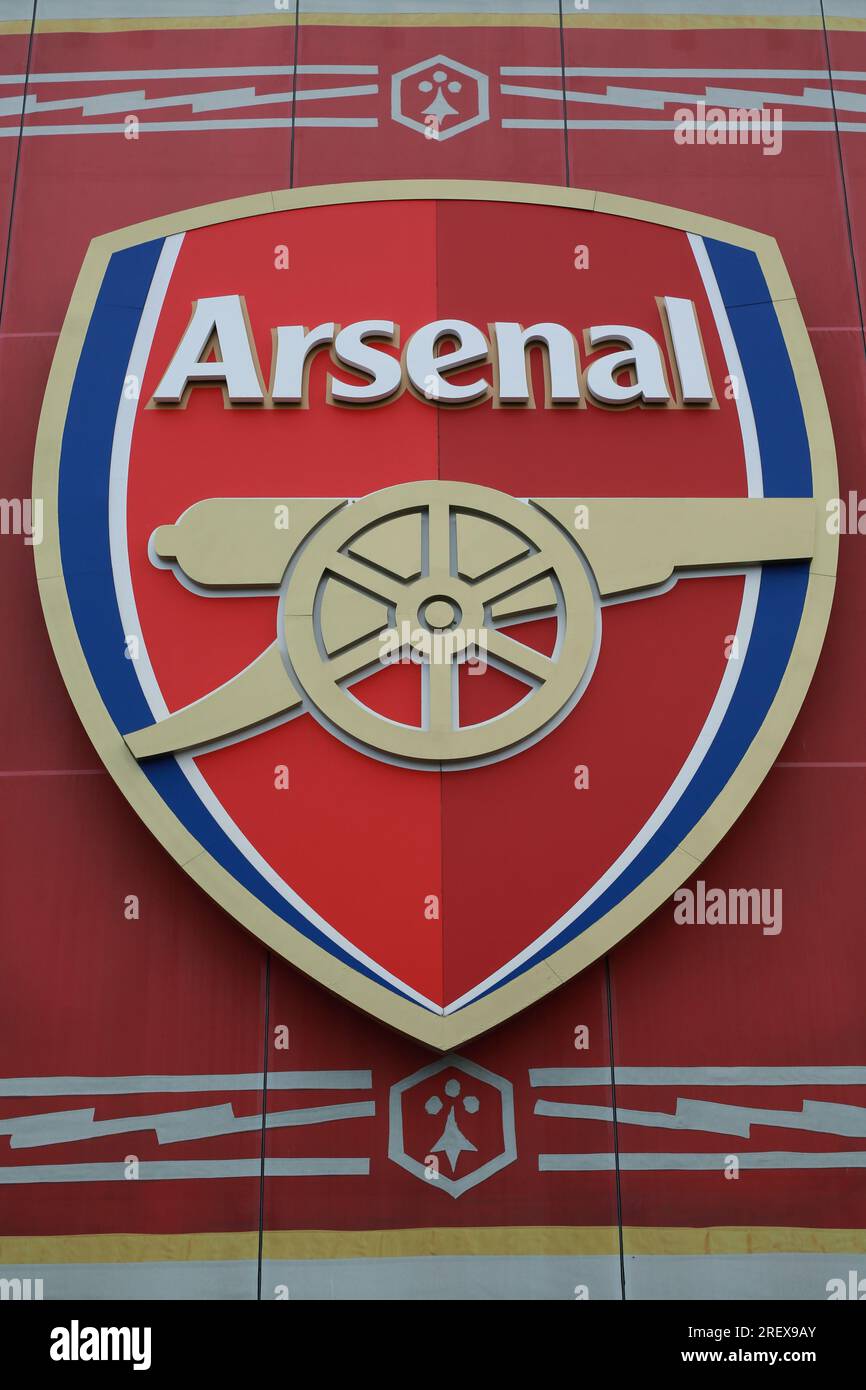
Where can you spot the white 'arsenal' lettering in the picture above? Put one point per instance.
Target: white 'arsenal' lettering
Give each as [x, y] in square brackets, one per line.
[217, 348]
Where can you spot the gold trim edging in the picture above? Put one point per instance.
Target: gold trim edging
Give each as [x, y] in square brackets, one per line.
[577, 1241]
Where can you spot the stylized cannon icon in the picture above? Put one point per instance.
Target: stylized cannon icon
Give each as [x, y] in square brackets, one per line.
[438, 571]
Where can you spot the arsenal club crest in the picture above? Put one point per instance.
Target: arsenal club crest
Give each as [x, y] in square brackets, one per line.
[437, 568]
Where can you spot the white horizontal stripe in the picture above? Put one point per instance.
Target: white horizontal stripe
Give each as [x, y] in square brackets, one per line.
[652, 98]
[798, 1276]
[171, 1127]
[817, 1117]
[842, 100]
[163, 1170]
[305, 69]
[388, 8]
[846, 127]
[712, 1117]
[778, 74]
[738, 97]
[694, 1163]
[164, 1085]
[179, 9]
[222, 99]
[749, 10]
[173, 74]
[152, 9]
[168, 127]
[427, 1278]
[357, 122]
[372, 70]
[323, 93]
[643, 8]
[698, 1076]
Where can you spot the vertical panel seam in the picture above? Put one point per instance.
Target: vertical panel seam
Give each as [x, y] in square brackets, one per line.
[617, 1169]
[564, 99]
[845, 203]
[267, 1030]
[8, 249]
[264, 1131]
[607, 975]
[294, 94]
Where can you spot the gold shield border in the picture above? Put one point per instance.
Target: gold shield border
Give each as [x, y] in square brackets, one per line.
[435, 1030]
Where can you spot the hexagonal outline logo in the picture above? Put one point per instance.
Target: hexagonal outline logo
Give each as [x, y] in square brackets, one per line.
[455, 1187]
[481, 79]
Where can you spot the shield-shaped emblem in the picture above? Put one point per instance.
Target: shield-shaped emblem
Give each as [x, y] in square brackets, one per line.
[437, 568]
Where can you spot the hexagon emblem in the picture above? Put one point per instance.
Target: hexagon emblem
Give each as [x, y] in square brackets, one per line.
[452, 1124]
[440, 97]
